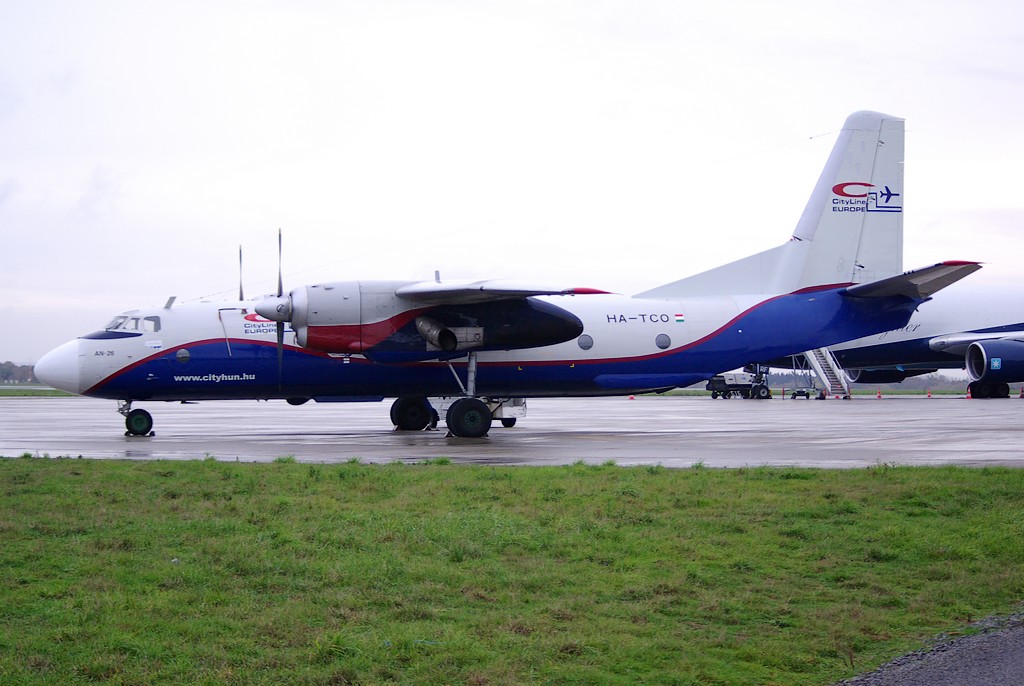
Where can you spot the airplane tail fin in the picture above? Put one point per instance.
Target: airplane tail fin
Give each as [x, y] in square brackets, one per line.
[851, 230]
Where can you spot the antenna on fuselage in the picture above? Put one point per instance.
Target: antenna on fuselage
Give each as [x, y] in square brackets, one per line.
[170, 301]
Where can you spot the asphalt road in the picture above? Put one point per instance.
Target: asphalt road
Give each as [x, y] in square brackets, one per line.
[675, 431]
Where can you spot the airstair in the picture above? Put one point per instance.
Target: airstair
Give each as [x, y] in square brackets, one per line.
[829, 372]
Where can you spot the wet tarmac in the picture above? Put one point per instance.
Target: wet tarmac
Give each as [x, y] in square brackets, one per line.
[674, 431]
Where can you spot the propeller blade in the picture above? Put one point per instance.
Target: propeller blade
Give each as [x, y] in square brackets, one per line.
[280, 354]
[241, 293]
[280, 281]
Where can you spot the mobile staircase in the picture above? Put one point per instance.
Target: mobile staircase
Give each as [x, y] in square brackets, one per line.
[831, 375]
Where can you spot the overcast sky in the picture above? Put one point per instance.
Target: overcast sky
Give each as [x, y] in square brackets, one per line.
[617, 145]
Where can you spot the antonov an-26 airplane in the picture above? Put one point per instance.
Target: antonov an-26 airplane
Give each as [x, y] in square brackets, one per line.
[481, 348]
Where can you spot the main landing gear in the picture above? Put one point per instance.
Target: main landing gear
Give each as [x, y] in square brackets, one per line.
[136, 422]
[467, 417]
[978, 389]
[413, 413]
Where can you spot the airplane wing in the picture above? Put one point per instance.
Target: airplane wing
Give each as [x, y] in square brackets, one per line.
[466, 292]
[918, 284]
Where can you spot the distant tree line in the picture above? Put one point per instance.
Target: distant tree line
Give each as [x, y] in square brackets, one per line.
[16, 373]
[935, 382]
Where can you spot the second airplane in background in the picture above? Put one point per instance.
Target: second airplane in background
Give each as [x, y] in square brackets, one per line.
[982, 332]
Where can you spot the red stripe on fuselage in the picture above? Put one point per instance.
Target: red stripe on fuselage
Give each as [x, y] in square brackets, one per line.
[355, 338]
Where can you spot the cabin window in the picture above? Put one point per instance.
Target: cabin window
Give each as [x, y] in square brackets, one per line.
[585, 342]
[182, 355]
[151, 324]
[663, 341]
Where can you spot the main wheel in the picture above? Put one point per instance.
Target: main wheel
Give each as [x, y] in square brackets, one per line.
[412, 413]
[508, 422]
[138, 423]
[469, 418]
[761, 392]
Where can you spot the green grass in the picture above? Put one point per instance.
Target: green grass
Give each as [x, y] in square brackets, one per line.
[209, 572]
[24, 392]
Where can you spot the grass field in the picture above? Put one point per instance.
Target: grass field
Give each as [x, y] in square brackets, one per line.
[26, 392]
[288, 573]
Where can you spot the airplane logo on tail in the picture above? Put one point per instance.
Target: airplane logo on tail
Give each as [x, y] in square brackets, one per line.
[888, 194]
[866, 200]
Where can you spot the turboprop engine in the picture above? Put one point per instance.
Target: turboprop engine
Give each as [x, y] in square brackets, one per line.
[368, 318]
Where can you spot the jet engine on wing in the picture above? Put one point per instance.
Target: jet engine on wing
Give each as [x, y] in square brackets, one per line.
[995, 361]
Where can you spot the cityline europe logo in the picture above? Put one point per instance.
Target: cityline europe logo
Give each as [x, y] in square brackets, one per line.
[860, 196]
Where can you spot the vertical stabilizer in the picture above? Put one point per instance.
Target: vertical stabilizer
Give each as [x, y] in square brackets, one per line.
[851, 230]
[854, 219]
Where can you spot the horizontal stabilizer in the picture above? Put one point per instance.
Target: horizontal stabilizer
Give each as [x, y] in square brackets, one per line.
[462, 292]
[918, 284]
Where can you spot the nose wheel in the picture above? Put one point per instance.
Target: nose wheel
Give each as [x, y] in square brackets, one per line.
[136, 422]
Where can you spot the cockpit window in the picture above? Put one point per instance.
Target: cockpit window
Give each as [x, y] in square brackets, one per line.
[116, 323]
[125, 323]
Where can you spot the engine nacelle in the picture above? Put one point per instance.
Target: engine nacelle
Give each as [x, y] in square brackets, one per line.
[349, 316]
[995, 361]
[367, 317]
[885, 375]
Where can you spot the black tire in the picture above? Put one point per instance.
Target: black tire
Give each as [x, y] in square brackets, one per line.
[726, 395]
[138, 423]
[714, 395]
[469, 418]
[761, 392]
[508, 422]
[1002, 391]
[412, 413]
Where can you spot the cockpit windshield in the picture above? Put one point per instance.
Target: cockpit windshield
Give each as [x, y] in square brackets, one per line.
[123, 322]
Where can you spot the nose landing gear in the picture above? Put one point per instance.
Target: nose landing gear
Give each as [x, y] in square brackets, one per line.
[137, 422]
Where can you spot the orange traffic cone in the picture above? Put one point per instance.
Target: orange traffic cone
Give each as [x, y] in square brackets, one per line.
[1022, 391]
[929, 392]
[632, 397]
[968, 392]
[879, 396]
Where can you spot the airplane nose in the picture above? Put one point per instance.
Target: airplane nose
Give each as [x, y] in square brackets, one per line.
[60, 368]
